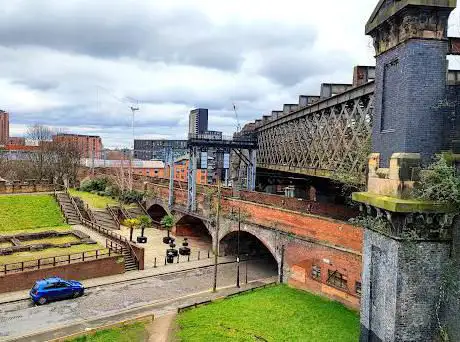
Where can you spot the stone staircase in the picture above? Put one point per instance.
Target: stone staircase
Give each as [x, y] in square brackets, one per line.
[135, 211]
[67, 208]
[130, 264]
[104, 219]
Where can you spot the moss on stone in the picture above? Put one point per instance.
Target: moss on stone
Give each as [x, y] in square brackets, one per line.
[399, 205]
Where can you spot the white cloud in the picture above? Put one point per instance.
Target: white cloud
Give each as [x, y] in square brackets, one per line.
[77, 63]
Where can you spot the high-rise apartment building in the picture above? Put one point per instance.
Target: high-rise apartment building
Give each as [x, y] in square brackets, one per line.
[198, 121]
[4, 127]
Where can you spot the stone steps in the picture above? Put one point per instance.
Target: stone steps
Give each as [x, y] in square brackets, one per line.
[68, 209]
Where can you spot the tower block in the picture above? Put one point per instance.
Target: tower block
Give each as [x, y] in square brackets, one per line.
[408, 242]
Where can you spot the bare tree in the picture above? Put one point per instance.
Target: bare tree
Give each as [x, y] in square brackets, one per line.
[122, 176]
[65, 156]
[54, 159]
[40, 162]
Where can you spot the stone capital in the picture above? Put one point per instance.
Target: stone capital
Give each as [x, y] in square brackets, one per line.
[396, 21]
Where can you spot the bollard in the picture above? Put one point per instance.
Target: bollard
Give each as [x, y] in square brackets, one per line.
[199, 255]
[155, 263]
[246, 271]
[165, 261]
[208, 253]
[178, 258]
[188, 257]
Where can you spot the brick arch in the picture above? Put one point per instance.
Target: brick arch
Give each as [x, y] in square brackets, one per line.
[267, 238]
[190, 226]
[157, 212]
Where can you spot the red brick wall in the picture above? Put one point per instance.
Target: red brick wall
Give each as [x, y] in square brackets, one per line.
[319, 229]
[25, 188]
[336, 211]
[301, 259]
[78, 271]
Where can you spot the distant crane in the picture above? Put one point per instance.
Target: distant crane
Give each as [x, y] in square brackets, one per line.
[238, 127]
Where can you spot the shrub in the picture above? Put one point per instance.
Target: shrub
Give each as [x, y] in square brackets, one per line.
[97, 184]
[439, 182]
[167, 222]
[112, 191]
[131, 196]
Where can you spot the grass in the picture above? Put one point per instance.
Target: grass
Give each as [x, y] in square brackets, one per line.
[54, 240]
[49, 253]
[274, 314]
[27, 212]
[128, 333]
[38, 230]
[93, 200]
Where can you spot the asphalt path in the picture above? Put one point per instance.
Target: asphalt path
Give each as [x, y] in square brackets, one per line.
[23, 318]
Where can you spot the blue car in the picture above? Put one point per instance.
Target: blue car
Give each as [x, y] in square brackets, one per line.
[55, 288]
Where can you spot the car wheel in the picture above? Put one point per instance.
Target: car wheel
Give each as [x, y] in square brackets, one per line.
[42, 300]
[78, 293]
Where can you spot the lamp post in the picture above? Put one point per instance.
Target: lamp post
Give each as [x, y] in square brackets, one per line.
[238, 250]
[133, 110]
[216, 245]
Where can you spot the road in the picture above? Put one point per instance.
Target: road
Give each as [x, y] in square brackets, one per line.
[22, 318]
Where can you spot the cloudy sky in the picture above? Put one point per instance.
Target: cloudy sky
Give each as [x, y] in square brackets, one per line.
[80, 64]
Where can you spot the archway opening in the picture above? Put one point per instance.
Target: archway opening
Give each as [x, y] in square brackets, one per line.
[157, 212]
[195, 230]
[250, 248]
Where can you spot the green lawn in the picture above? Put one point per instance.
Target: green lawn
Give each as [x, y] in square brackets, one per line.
[62, 228]
[129, 333]
[93, 200]
[274, 314]
[54, 240]
[23, 212]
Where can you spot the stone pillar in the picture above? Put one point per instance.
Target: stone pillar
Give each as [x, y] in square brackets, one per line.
[407, 242]
[410, 39]
[406, 246]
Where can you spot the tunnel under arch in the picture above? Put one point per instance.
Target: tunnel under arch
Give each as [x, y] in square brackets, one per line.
[250, 246]
[194, 228]
[157, 212]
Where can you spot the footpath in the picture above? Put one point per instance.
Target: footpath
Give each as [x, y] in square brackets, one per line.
[128, 276]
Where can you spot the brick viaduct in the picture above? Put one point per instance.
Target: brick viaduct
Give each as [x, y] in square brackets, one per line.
[311, 234]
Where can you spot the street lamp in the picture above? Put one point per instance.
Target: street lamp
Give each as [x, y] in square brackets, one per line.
[238, 250]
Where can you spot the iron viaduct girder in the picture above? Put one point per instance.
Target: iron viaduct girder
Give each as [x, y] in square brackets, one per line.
[322, 138]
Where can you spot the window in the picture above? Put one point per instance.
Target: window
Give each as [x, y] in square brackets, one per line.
[316, 272]
[358, 288]
[337, 279]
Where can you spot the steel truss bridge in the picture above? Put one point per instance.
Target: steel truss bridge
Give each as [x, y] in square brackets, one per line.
[322, 138]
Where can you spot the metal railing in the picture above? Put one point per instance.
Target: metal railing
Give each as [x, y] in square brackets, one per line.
[104, 231]
[125, 214]
[116, 247]
[206, 302]
[90, 213]
[142, 207]
[54, 261]
[114, 215]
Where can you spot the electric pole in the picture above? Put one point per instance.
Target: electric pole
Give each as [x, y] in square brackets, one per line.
[133, 110]
[216, 245]
[238, 250]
